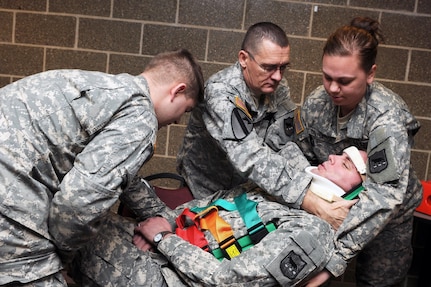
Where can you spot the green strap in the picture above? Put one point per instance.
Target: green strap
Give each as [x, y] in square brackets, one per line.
[354, 193]
[247, 210]
[229, 206]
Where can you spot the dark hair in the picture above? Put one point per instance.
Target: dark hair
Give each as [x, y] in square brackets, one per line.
[261, 31]
[197, 81]
[361, 37]
[179, 64]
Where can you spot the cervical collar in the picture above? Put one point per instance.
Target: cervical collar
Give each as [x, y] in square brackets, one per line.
[323, 187]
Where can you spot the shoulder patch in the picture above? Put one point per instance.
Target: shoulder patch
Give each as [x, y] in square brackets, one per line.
[378, 161]
[241, 123]
[292, 265]
[240, 104]
[288, 126]
[382, 165]
[299, 127]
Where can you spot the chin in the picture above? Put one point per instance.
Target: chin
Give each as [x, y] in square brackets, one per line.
[267, 90]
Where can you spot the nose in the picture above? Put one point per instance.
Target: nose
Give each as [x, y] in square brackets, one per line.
[334, 87]
[277, 75]
[331, 158]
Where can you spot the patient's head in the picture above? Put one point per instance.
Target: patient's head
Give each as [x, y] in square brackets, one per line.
[341, 170]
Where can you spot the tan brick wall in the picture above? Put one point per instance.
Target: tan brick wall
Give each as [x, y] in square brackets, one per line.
[119, 36]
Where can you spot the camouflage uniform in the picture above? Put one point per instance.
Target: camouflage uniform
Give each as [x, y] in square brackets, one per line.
[70, 143]
[232, 137]
[112, 260]
[383, 126]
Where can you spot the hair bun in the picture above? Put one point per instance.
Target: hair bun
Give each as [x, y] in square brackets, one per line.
[370, 25]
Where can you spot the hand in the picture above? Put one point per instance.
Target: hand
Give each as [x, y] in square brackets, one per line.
[148, 228]
[141, 243]
[319, 279]
[333, 213]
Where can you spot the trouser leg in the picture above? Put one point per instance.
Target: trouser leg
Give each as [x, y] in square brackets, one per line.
[386, 260]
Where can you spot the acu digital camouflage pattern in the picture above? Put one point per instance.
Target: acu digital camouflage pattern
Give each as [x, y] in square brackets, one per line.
[112, 260]
[70, 142]
[383, 126]
[231, 137]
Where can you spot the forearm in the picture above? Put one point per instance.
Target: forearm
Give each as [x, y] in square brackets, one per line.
[141, 198]
[281, 174]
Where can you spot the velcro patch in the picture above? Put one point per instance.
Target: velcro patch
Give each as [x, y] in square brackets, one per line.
[378, 161]
[291, 265]
[382, 164]
[241, 123]
[288, 126]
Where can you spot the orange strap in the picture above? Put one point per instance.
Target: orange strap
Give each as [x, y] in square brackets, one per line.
[221, 230]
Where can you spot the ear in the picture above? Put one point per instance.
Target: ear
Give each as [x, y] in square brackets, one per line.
[176, 90]
[371, 74]
[243, 58]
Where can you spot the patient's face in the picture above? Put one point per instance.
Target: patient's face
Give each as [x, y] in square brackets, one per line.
[340, 170]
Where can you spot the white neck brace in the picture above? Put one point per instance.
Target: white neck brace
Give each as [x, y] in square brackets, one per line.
[323, 187]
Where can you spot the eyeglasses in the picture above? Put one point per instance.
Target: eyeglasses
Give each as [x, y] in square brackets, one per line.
[270, 69]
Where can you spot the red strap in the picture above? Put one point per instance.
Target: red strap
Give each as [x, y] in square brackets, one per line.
[191, 233]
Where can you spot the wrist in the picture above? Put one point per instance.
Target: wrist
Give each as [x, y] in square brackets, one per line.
[160, 236]
[308, 203]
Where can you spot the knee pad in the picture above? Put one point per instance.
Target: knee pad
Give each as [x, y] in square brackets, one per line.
[302, 258]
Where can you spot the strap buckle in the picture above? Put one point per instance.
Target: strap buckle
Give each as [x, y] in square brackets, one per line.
[257, 232]
[230, 247]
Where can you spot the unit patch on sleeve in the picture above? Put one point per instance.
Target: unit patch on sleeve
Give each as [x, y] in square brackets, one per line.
[378, 161]
[241, 120]
[288, 126]
[241, 123]
[291, 265]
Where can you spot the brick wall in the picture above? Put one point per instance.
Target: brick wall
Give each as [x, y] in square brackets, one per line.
[118, 36]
